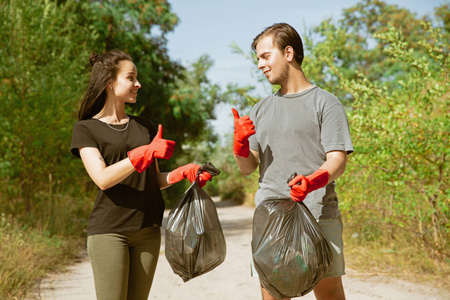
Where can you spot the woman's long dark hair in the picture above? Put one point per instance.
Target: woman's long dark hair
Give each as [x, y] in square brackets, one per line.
[104, 69]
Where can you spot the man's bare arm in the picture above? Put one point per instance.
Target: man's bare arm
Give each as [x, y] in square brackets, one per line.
[248, 165]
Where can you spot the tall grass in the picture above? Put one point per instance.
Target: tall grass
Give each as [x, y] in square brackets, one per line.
[45, 239]
[26, 254]
[399, 258]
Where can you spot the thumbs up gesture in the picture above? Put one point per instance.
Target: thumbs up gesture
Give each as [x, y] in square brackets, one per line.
[143, 156]
[161, 148]
[243, 129]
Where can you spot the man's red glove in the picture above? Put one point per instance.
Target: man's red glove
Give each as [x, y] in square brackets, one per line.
[302, 186]
[189, 172]
[243, 129]
[142, 157]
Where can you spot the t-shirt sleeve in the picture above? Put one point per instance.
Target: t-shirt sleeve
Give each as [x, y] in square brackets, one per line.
[335, 132]
[81, 137]
[252, 139]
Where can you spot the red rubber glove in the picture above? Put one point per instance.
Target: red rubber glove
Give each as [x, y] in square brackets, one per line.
[302, 186]
[189, 172]
[142, 157]
[243, 129]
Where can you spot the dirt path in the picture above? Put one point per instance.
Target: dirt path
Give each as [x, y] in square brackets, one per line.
[231, 280]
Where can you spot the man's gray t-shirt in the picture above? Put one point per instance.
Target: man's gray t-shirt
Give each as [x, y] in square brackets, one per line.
[293, 134]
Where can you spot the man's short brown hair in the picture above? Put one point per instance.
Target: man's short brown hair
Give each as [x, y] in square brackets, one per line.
[283, 35]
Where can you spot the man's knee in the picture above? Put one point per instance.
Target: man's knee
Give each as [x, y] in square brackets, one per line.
[330, 289]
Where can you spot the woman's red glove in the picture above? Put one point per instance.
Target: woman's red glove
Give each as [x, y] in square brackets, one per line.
[243, 129]
[142, 157]
[189, 172]
[302, 186]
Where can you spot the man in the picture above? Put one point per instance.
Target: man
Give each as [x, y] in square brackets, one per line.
[303, 129]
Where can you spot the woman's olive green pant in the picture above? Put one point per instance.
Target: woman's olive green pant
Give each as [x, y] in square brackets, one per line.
[124, 263]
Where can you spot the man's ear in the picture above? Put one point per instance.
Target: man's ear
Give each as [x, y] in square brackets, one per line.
[289, 53]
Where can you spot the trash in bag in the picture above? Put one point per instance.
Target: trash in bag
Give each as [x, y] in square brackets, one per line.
[290, 251]
[194, 241]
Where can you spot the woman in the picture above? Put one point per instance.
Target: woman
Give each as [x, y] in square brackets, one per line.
[120, 153]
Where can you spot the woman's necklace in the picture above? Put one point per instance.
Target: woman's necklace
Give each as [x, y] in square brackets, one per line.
[123, 129]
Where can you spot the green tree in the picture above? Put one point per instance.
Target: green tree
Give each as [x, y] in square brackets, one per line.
[40, 75]
[44, 71]
[395, 85]
[45, 193]
[192, 105]
[391, 69]
[401, 136]
[349, 43]
[193, 100]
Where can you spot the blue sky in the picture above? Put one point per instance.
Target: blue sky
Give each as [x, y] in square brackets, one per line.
[211, 26]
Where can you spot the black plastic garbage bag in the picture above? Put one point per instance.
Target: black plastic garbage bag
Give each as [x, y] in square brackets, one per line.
[290, 252]
[194, 241]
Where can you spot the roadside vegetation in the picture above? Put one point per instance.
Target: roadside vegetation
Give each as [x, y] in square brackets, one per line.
[388, 66]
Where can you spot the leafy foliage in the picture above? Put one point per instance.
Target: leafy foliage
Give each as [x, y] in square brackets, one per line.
[349, 43]
[40, 75]
[400, 139]
[44, 71]
[391, 70]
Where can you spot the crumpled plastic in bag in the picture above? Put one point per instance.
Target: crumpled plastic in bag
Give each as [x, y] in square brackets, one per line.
[290, 252]
[194, 240]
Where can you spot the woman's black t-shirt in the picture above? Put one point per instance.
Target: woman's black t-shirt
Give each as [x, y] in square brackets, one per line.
[134, 203]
